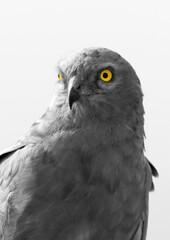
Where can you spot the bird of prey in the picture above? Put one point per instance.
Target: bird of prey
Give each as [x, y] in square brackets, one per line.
[80, 172]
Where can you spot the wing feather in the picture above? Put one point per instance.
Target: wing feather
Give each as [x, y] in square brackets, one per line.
[7, 152]
[154, 173]
[10, 164]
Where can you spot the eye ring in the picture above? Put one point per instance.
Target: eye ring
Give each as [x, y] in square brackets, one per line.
[59, 77]
[106, 75]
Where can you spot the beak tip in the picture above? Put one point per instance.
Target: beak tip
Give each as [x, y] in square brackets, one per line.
[73, 97]
[70, 105]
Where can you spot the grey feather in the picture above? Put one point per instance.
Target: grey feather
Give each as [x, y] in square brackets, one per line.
[80, 172]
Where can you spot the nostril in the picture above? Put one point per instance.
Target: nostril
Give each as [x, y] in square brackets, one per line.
[78, 87]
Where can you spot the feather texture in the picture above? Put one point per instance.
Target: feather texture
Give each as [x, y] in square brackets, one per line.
[80, 173]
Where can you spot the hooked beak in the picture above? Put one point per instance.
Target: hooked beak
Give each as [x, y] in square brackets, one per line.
[74, 96]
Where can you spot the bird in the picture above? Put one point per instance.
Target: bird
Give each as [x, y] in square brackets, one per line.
[80, 172]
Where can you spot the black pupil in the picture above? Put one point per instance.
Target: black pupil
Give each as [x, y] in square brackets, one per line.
[105, 75]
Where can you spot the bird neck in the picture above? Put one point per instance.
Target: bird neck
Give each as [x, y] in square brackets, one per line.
[118, 128]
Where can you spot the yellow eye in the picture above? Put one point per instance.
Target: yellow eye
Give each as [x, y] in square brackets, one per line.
[106, 75]
[59, 77]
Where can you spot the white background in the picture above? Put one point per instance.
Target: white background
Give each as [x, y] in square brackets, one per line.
[34, 35]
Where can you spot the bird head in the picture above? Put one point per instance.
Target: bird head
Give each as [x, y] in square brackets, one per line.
[98, 82]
